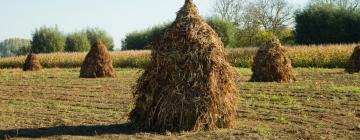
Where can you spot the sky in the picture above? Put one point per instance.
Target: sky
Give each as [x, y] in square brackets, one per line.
[20, 18]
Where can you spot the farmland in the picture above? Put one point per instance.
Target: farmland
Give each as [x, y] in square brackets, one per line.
[55, 103]
[321, 56]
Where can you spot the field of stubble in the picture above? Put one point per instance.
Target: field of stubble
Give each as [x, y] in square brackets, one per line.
[55, 103]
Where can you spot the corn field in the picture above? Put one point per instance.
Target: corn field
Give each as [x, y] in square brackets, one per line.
[323, 56]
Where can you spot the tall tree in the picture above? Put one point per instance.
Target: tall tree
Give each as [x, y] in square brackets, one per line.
[342, 4]
[272, 15]
[96, 33]
[256, 16]
[77, 42]
[230, 10]
[48, 40]
[14, 47]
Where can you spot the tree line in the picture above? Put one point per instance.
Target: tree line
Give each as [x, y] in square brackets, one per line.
[250, 23]
[51, 39]
[239, 23]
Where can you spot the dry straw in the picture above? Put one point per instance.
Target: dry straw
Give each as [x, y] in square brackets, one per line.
[353, 65]
[271, 64]
[188, 85]
[97, 63]
[32, 63]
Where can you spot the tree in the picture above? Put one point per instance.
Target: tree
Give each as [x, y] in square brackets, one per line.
[14, 47]
[319, 24]
[138, 40]
[77, 42]
[225, 29]
[272, 15]
[255, 17]
[230, 10]
[341, 4]
[47, 40]
[96, 33]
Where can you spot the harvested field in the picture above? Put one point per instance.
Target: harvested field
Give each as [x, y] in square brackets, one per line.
[55, 103]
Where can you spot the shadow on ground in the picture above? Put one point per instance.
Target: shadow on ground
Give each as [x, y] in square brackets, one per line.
[68, 130]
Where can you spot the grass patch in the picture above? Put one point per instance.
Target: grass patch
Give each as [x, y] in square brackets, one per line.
[262, 130]
[286, 100]
[346, 89]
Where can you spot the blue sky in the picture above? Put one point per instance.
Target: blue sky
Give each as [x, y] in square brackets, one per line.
[20, 18]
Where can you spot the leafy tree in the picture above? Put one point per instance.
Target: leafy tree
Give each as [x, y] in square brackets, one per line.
[319, 24]
[138, 40]
[96, 33]
[259, 38]
[14, 47]
[47, 40]
[225, 29]
[341, 4]
[77, 42]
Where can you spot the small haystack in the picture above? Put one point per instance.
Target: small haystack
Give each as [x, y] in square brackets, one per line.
[353, 65]
[271, 64]
[188, 84]
[97, 62]
[32, 63]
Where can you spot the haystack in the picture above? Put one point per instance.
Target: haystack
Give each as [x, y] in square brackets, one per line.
[32, 63]
[271, 64]
[353, 65]
[188, 85]
[97, 62]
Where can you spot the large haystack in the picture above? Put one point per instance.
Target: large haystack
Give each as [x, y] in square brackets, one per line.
[188, 84]
[271, 64]
[98, 62]
[32, 63]
[353, 65]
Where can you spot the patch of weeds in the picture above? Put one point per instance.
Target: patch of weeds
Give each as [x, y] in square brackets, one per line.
[309, 100]
[58, 107]
[250, 102]
[346, 89]
[13, 102]
[282, 120]
[76, 109]
[282, 99]
[262, 97]
[263, 110]
[287, 100]
[53, 106]
[262, 130]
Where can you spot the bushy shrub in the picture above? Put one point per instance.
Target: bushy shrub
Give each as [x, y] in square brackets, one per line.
[225, 29]
[96, 33]
[14, 47]
[47, 40]
[139, 40]
[258, 38]
[77, 42]
[321, 24]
